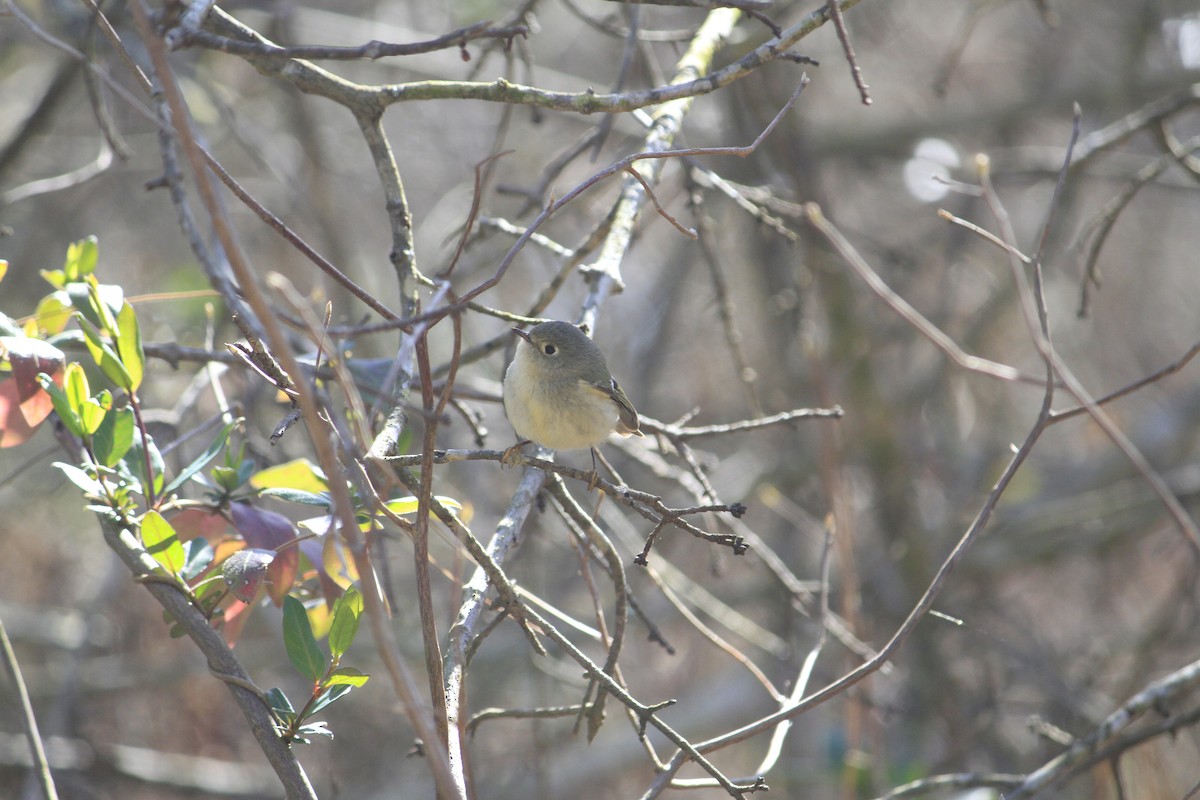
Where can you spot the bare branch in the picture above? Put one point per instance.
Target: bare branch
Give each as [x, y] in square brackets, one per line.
[371, 51]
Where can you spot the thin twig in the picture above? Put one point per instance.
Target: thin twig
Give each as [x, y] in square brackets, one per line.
[839, 25]
[662, 212]
[1154, 377]
[588, 529]
[550, 712]
[741, 5]
[923, 605]
[1040, 330]
[985, 234]
[37, 752]
[370, 51]
[312, 79]
[958, 780]
[684, 433]
[746, 376]
[1101, 225]
[613, 169]
[910, 315]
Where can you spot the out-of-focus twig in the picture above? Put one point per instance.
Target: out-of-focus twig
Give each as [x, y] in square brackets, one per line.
[839, 25]
[1158, 695]
[37, 752]
[910, 315]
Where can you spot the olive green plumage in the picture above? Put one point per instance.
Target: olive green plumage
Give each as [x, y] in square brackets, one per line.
[558, 391]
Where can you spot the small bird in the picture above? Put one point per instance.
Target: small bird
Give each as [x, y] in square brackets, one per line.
[559, 393]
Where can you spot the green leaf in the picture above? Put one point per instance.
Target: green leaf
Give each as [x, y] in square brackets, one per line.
[348, 676]
[160, 541]
[80, 478]
[114, 437]
[197, 555]
[204, 459]
[209, 594]
[346, 611]
[235, 456]
[94, 410]
[96, 301]
[77, 295]
[280, 704]
[298, 496]
[298, 638]
[314, 729]
[81, 259]
[135, 461]
[75, 385]
[103, 307]
[105, 511]
[326, 697]
[62, 404]
[245, 469]
[226, 478]
[129, 345]
[109, 361]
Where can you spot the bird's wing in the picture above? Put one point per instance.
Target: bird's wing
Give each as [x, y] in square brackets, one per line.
[628, 424]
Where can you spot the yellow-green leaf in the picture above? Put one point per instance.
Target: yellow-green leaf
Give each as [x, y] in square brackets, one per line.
[109, 362]
[129, 345]
[299, 474]
[402, 505]
[347, 676]
[319, 618]
[81, 259]
[75, 385]
[102, 310]
[54, 312]
[338, 563]
[93, 411]
[160, 541]
[61, 404]
[407, 505]
[55, 277]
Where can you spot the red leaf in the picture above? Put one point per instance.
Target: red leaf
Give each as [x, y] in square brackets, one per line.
[193, 522]
[264, 529]
[313, 550]
[15, 428]
[24, 405]
[235, 619]
[269, 530]
[282, 574]
[29, 357]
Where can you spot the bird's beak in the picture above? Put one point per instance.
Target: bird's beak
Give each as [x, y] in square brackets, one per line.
[522, 334]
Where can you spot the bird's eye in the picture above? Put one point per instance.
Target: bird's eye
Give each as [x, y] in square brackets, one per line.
[549, 349]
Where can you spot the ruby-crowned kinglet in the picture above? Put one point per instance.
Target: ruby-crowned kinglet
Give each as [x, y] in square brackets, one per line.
[558, 392]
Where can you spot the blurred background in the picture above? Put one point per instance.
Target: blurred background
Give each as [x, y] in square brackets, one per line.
[1081, 592]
